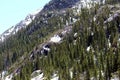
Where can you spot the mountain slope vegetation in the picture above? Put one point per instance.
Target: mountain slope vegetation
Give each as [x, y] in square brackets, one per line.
[87, 49]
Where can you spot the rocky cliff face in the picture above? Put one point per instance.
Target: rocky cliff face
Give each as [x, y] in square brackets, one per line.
[53, 5]
[59, 4]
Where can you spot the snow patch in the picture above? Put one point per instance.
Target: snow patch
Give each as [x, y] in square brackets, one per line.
[109, 44]
[39, 77]
[74, 20]
[94, 18]
[28, 22]
[2, 75]
[88, 49]
[2, 38]
[55, 78]
[37, 71]
[75, 35]
[71, 74]
[111, 18]
[119, 39]
[56, 39]
[11, 29]
[92, 33]
[45, 48]
[9, 77]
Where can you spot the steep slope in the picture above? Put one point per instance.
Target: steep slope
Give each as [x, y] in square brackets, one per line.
[65, 44]
[29, 34]
[51, 6]
[22, 24]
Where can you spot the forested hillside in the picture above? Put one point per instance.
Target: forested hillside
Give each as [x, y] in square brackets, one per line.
[66, 43]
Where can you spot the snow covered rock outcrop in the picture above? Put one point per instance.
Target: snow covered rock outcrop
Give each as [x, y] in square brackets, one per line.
[111, 18]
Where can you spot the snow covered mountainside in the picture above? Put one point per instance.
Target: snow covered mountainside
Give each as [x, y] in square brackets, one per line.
[22, 24]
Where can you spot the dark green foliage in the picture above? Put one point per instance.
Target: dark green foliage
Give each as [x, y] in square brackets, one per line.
[71, 55]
